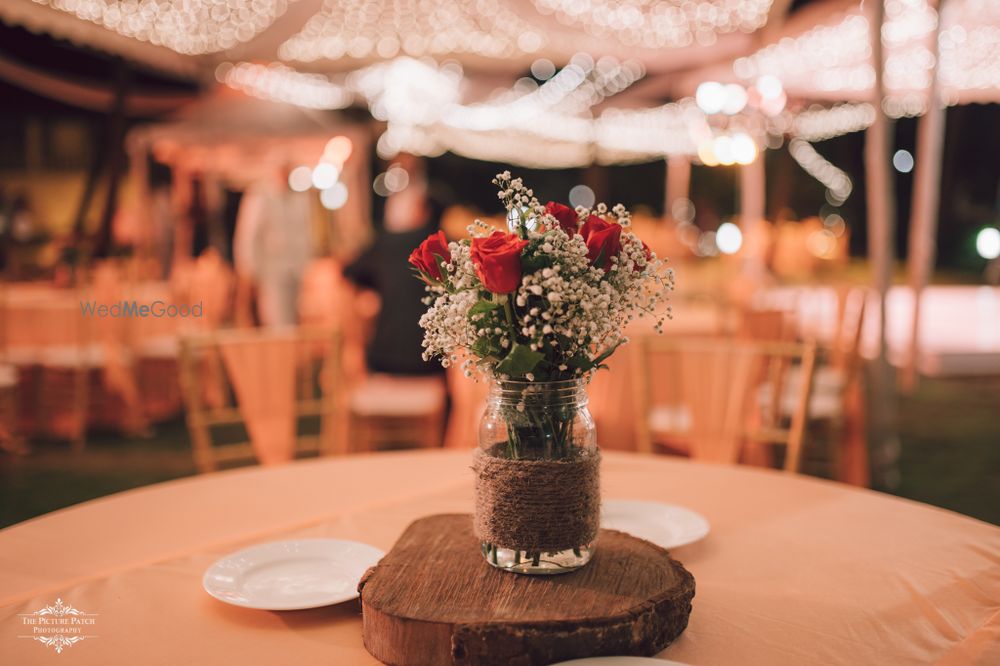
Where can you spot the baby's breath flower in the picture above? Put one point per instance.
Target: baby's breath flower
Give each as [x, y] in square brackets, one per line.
[564, 309]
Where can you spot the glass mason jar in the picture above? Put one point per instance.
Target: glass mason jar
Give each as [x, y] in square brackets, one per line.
[537, 477]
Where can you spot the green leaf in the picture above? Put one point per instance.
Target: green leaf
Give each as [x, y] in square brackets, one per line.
[519, 361]
[484, 306]
[608, 352]
[483, 347]
[581, 361]
[536, 262]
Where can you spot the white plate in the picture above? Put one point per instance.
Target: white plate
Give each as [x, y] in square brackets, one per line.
[666, 525]
[619, 661]
[291, 575]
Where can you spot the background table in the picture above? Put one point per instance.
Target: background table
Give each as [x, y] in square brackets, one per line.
[795, 571]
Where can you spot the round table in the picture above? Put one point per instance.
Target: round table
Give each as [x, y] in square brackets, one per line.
[795, 570]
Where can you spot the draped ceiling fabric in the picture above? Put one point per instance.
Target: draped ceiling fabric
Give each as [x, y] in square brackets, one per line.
[557, 40]
[820, 53]
[305, 34]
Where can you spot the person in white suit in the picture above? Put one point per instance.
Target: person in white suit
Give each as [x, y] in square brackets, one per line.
[273, 245]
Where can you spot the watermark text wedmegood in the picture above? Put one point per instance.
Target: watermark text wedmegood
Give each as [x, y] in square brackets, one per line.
[136, 309]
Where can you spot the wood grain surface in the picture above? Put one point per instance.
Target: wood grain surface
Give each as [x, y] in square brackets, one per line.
[433, 600]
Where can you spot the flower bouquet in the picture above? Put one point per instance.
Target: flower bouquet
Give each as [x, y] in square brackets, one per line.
[537, 309]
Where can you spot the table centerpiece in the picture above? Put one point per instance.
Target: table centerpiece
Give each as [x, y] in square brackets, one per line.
[536, 310]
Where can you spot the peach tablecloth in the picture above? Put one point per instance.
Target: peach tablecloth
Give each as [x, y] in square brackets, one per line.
[41, 315]
[795, 571]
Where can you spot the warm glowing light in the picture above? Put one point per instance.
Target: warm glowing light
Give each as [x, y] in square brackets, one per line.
[543, 69]
[822, 243]
[988, 243]
[338, 150]
[396, 178]
[683, 210]
[769, 86]
[378, 185]
[736, 99]
[300, 178]
[706, 153]
[324, 175]
[283, 84]
[818, 124]
[710, 97]
[744, 149]
[191, 28]
[729, 238]
[334, 197]
[386, 29]
[838, 183]
[659, 24]
[723, 149]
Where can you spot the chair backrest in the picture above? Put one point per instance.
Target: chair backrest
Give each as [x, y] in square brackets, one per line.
[728, 391]
[772, 324]
[266, 380]
[845, 352]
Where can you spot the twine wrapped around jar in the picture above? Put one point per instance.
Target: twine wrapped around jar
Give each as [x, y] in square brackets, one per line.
[537, 505]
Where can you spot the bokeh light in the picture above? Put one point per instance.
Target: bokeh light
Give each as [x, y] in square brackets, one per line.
[300, 178]
[324, 175]
[710, 97]
[338, 150]
[729, 238]
[396, 178]
[988, 243]
[902, 160]
[334, 198]
[543, 69]
[581, 195]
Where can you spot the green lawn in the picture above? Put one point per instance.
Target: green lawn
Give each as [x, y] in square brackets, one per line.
[950, 435]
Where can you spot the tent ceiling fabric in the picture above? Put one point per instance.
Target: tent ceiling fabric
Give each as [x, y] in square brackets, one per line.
[828, 59]
[186, 37]
[618, 62]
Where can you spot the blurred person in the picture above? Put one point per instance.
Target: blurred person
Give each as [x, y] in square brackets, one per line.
[22, 219]
[272, 246]
[410, 216]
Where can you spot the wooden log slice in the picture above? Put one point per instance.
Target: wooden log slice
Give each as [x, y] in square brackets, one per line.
[433, 600]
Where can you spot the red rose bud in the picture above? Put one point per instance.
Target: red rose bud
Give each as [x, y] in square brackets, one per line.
[423, 256]
[497, 259]
[603, 240]
[566, 216]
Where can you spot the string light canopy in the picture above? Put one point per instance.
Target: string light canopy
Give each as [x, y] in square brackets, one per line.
[387, 28]
[192, 28]
[280, 83]
[834, 60]
[547, 125]
[671, 24]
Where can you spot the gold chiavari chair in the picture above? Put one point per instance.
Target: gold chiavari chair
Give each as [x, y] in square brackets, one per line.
[221, 395]
[714, 405]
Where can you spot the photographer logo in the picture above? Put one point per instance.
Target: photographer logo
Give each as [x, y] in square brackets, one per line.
[58, 626]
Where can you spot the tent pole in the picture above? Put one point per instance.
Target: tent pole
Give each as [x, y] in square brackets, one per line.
[752, 196]
[678, 184]
[115, 157]
[925, 203]
[881, 232]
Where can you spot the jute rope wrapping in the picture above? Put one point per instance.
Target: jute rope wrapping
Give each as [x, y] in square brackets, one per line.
[537, 505]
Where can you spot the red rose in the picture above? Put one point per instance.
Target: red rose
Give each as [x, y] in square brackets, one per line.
[566, 216]
[603, 240]
[423, 256]
[497, 259]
